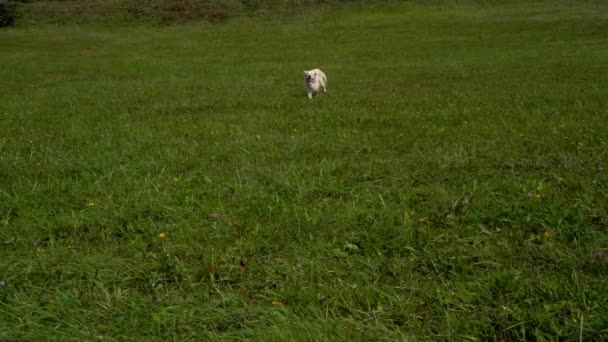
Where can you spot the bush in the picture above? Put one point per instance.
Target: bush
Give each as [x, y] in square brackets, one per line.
[153, 11]
[8, 12]
[184, 10]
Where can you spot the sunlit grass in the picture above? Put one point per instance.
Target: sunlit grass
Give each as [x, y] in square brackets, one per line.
[176, 182]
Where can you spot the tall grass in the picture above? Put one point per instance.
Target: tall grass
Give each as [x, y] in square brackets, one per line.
[451, 184]
[163, 11]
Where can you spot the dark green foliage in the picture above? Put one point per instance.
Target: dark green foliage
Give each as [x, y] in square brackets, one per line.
[8, 12]
[161, 11]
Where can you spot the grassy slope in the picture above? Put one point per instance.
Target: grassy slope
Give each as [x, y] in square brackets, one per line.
[121, 12]
[395, 206]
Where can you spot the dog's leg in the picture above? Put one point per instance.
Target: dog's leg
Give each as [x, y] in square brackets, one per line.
[324, 90]
[310, 94]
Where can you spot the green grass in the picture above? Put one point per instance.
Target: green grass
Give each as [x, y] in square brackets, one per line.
[121, 12]
[451, 184]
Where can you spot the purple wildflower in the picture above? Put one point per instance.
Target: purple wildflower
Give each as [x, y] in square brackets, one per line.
[599, 255]
[2, 283]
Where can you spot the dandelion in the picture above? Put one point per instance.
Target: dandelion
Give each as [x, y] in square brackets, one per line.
[276, 303]
[547, 233]
[537, 196]
[162, 235]
[91, 204]
[258, 136]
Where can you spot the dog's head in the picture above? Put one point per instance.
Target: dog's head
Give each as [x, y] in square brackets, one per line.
[309, 76]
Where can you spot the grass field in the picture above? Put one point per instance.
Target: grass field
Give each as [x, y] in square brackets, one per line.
[175, 183]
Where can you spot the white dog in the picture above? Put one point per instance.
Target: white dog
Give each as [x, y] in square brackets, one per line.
[314, 80]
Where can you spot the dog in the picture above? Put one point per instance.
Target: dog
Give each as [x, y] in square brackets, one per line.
[314, 80]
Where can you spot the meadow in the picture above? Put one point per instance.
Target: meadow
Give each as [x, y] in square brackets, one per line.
[173, 182]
